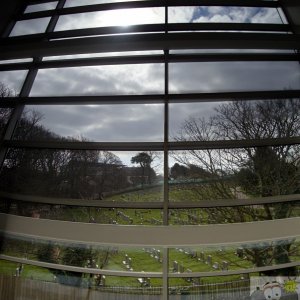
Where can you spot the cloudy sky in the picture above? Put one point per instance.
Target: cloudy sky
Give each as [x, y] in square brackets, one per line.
[144, 122]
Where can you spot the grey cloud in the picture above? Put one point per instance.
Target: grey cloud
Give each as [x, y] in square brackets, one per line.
[237, 76]
[105, 122]
[40, 7]
[180, 112]
[129, 79]
[13, 79]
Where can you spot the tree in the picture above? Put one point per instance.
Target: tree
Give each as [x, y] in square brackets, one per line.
[4, 112]
[253, 171]
[144, 160]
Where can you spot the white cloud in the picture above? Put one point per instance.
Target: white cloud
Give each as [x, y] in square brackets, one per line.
[119, 17]
[180, 14]
[238, 15]
[266, 16]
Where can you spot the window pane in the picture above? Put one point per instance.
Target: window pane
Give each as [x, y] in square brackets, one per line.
[233, 76]
[234, 120]
[11, 83]
[40, 7]
[235, 257]
[72, 3]
[107, 123]
[222, 14]
[30, 26]
[104, 80]
[95, 175]
[120, 17]
[72, 213]
[106, 257]
[235, 174]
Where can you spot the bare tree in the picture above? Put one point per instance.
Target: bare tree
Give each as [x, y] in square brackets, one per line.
[247, 172]
[4, 112]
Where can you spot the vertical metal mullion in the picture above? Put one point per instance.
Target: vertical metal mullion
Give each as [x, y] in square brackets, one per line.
[26, 88]
[55, 17]
[10, 26]
[165, 292]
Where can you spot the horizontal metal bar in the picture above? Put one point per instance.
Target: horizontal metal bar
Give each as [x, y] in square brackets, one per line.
[148, 59]
[152, 205]
[147, 4]
[156, 98]
[81, 202]
[154, 146]
[150, 41]
[114, 99]
[80, 62]
[162, 28]
[84, 32]
[146, 28]
[117, 146]
[233, 96]
[79, 269]
[235, 272]
[230, 144]
[235, 202]
[139, 235]
[145, 274]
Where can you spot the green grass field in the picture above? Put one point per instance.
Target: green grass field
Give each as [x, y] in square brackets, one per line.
[141, 260]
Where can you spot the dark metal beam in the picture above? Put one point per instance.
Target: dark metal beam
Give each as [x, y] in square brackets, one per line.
[156, 98]
[154, 146]
[186, 204]
[150, 28]
[150, 59]
[151, 41]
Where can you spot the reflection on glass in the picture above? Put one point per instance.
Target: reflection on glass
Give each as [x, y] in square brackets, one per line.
[94, 175]
[30, 26]
[235, 174]
[66, 283]
[12, 61]
[104, 80]
[72, 3]
[116, 216]
[233, 76]
[11, 83]
[82, 255]
[230, 287]
[5, 114]
[241, 51]
[114, 123]
[233, 258]
[120, 17]
[104, 54]
[40, 7]
[223, 14]
[238, 120]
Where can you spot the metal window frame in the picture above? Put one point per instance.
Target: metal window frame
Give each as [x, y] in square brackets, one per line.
[164, 37]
